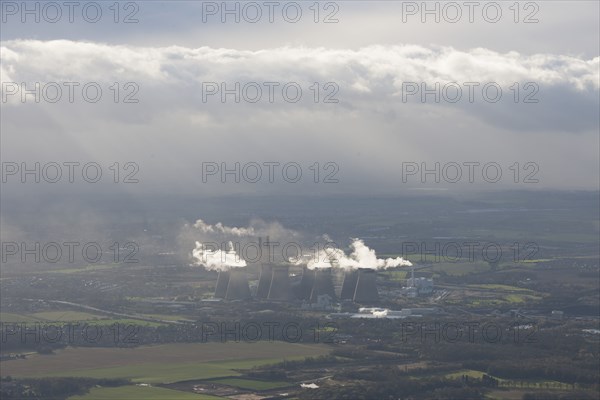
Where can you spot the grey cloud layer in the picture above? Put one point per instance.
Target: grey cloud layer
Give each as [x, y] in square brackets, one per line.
[563, 27]
[367, 77]
[367, 133]
[361, 70]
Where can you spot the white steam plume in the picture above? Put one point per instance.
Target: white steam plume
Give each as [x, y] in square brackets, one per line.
[361, 257]
[222, 229]
[217, 260]
[258, 234]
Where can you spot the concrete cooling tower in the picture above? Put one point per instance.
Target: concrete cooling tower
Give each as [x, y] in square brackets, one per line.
[264, 281]
[304, 288]
[323, 284]
[366, 286]
[280, 288]
[238, 288]
[349, 285]
[222, 282]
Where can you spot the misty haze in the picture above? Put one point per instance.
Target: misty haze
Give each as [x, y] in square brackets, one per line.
[299, 200]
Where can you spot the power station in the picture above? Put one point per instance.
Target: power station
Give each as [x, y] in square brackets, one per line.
[275, 284]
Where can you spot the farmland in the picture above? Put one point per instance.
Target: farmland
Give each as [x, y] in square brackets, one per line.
[159, 364]
[140, 393]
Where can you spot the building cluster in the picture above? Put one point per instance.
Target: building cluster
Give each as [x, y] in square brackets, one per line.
[315, 286]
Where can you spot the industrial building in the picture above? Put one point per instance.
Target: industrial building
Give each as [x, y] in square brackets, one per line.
[417, 286]
[315, 286]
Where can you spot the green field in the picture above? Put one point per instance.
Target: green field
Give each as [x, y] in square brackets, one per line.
[502, 299]
[252, 384]
[65, 316]
[89, 268]
[160, 364]
[140, 393]
[125, 322]
[460, 268]
[73, 316]
[9, 317]
[396, 275]
[537, 383]
[518, 298]
[502, 287]
[163, 317]
[503, 294]
[155, 373]
[152, 372]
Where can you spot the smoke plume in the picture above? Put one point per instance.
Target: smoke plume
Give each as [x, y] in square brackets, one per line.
[217, 260]
[206, 236]
[219, 228]
[251, 241]
[361, 257]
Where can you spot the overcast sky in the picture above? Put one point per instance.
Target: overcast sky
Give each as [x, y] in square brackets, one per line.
[371, 66]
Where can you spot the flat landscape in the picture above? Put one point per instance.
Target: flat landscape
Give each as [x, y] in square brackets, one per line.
[469, 327]
[300, 200]
[160, 364]
[140, 393]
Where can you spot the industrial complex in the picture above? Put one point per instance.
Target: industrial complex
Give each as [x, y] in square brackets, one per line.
[277, 283]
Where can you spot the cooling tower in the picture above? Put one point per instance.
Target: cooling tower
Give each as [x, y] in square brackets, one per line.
[349, 285]
[323, 284]
[304, 288]
[238, 288]
[264, 282]
[280, 284]
[222, 282]
[366, 286]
